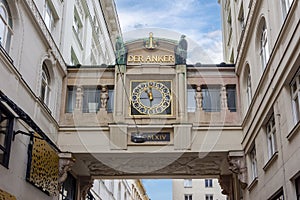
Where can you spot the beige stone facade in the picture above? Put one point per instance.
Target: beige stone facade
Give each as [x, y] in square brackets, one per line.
[262, 38]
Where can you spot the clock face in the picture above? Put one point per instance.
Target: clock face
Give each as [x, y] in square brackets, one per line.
[151, 98]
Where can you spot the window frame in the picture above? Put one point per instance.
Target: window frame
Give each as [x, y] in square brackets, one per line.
[71, 92]
[110, 100]
[7, 26]
[6, 148]
[297, 187]
[91, 90]
[208, 183]
[188, 197]
[231, 89]
[249, 87]
[45, 89]
[264, 46]
[253, 163]
[209, 197]
[271, 136]
[295, 96]
[187, 183]
[73, 188]
[191, 100]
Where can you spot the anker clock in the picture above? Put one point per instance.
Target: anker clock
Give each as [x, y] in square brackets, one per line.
[151, 98]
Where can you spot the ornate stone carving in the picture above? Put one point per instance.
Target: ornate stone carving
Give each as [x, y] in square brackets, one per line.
[66, 161]
[104, 97]
[79, 97]
[237, 164]
[224, 98]
[199, 98]
[181, 51]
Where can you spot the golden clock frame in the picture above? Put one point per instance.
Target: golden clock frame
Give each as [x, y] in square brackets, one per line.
[154, 115]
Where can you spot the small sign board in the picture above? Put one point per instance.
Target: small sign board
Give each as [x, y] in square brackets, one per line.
[152, 137]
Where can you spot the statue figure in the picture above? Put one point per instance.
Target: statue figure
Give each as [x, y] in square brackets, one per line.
[104, 97]
[120, 51]
[199, 98]
[181, 51]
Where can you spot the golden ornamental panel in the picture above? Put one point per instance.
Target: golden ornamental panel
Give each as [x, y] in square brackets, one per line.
[43, 166]
[6, 196]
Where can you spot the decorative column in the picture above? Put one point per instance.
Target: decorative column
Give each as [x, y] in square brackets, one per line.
[224, 98]
[181, 92]
[104, 98]
[199, 98]
[119, 87]
[79, 99]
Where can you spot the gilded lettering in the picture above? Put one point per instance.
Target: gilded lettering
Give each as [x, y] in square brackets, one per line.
[136, 58]
[148, 59]
[130, 58]
[154, 58]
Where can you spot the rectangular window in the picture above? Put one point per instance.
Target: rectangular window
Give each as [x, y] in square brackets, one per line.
[71, 99]
[209, 197]
[187, 183]
[285, 4]
[188, 197]
[110, 101]
[48, 16]
[6, 131]
[253, 162]
[77, 25]
[271, 136]
[208, 183]
[231, 97]
[91, 99]
[295, 92]
[68, 188]
[297, 184]
[191, 101]
[211, 98]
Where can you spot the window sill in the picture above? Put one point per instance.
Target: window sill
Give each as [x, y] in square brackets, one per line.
[252, 184]
[293, 132]
[271, 161]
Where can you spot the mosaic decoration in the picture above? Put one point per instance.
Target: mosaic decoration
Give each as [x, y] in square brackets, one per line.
[43, 166]
[6, 196]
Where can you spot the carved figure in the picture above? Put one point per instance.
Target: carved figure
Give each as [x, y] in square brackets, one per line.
[104, 97]
[120, 51]
[181, 50]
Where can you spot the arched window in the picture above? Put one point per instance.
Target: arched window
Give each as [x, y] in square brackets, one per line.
[264, 46]
[45, 89]
[5, 25]
[248, 85]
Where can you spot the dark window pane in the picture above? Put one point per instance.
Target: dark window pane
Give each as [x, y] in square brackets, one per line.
[91, 100]
[211, 98]
[71, 99]
[231, 97]
[110, 102]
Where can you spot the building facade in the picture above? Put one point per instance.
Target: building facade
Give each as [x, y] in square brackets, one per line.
[201, 189]
[262, 39]
[38, 40]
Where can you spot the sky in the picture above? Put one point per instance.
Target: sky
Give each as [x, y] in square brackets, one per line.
[199, 20]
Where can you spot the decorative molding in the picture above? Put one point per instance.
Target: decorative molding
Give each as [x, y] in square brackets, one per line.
[66, 161]
[270, 161]
[86, 183]
[225, 182]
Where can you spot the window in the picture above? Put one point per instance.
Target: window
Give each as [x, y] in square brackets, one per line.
[264, 47]
[77, 25]
[48, 16]
[90, 196]
[208, 183]
[297, 184]
[271, 138]
[188, 197]
[253, 162]
[74, 59]
[231, 97]
[45, 89]
[71, 99]
[278, 195]
[295, 90]
[68, 189]
[209, 197]
[187, 183]
[191, 101]
[6, 131]
[211, 98]
[249, 90]
[285, 4]
[91, 99]
[5, 25]
[110, 101]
